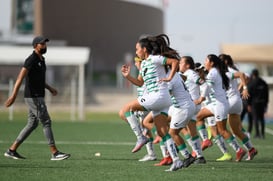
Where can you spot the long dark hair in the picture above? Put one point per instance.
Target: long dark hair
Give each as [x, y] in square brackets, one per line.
[159, 45]
[218, 64]
[228, 61]
[189, 60]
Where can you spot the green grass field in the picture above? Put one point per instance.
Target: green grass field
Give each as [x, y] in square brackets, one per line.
[107, 134]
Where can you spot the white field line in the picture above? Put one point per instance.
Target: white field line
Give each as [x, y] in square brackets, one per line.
[267, 130]
[79, 142]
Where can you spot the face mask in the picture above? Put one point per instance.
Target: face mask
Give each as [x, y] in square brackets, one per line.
[42, 51]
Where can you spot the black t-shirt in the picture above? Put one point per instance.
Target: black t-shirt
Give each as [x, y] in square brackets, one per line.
[35, 79]
[258, 90]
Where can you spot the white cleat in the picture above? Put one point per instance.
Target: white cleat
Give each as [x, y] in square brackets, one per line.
[140, 143]
[178, 164]
[147, 158]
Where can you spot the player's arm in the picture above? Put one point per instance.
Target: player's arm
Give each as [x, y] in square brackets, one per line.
[16, 88]
[174, 67]
[125, 70]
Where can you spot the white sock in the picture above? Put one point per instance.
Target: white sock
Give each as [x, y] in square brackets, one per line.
[134, 124]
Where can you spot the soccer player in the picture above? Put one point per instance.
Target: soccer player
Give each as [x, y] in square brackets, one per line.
[192, 84]
[156, 55]
[218, 83]
[235, 103]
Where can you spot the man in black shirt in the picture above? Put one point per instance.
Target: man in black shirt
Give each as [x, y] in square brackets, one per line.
[258, 101]
[34, 71]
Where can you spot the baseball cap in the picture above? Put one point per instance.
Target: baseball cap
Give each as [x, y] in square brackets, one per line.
[39, 39]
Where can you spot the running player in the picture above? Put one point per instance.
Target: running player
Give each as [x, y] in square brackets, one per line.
[156, 54]
[236, 105]
[218, 82]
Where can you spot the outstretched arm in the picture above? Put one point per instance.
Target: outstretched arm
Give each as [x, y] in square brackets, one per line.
[16, 88]
[125, 70]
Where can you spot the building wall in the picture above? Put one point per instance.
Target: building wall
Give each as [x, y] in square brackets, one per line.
[109, 27]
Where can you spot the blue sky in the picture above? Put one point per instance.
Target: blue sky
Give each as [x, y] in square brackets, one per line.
[199, 27]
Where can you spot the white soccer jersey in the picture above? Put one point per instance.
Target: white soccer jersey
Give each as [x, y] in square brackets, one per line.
[156, 97]
[152, 70]
[192, 83]
[233, 84]
[183, 107]
[214, 81]
[234, 97]
[180, 96]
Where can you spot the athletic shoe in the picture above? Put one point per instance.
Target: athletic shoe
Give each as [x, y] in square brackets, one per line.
[165, 161]
[251, 153]
[60, 156]
[225, 157]
[193, 154]
[157, 139]
[148, 158]
[178, 164]
[141, 142]
[13, 154]
[188, 161]
[240, 154]
[200, 160]
[205, 144]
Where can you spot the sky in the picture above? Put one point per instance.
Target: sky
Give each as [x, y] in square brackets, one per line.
[199, 27]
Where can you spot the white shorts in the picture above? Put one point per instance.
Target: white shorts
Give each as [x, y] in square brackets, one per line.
[235, 105]
[157, 102]
[180, 117]
[219, 110]
[197, 109]
[211, 121]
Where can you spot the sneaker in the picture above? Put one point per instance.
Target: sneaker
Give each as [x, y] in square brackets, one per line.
[240, 154]
[205, 144]
[165, 161]
[13, 154]
[60, 156]
[200, 160]
[157, 139]
[251, 153]
[225, 157]
[193, 154]
[188, 161]
[141, 142]
[148, 158]
[178, 164]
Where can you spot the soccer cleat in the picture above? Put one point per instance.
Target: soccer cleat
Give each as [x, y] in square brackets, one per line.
[59, 156]
[157, 139]
[225, 157]
[141, 142]
[165, 161]
[193, 154]
[205, 144]
[13, 154]
[188, 161]
[240, 154]
[251, 153]
[178, 164]
[148, 158]
[200, 160]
